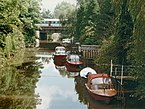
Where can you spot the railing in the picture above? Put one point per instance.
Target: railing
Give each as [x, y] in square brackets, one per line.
[89, 51]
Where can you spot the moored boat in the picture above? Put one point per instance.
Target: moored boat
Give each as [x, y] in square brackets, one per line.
[86, 71]
[73, 63]
[60, 56]
[100, 87]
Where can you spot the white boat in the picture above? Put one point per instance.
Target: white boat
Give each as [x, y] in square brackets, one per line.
[87, 70]
[60, 56]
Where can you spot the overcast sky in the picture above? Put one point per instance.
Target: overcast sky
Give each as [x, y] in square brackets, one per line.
[50, 4]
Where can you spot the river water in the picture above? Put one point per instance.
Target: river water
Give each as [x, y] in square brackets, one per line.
[60, 89]
[39, 84]
[56, 90]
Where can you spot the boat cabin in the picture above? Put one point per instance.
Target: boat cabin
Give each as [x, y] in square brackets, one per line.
[60, 50]
[100, 81]
[74, 58]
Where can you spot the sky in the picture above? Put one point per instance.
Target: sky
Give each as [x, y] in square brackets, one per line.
[51, 4]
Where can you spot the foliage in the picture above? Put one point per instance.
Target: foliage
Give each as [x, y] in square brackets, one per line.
[17, 24]
[137, 53]
[106, 53]
[90, 41]
[46, 14]
[29, 18]
[86, 17]
[66, 12]
[10, 26]
[124, 30]
[95, 18]
[118, 27]
[63, 10]
[105, 22]
[127, 46]
[70, 24]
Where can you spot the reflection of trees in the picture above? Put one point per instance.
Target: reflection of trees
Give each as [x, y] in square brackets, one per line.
[80, 89]
[18, 86]
[45, 60]
[62, 70]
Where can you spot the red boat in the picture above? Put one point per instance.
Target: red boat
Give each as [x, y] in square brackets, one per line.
[60, 56]
[73, 63]
[100, 87]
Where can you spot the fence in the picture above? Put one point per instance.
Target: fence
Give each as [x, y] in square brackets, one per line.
[89, 51]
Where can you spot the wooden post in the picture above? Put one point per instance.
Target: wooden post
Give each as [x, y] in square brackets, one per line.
[111, 68]
[122, 75]
[115, 72]
[115, 78]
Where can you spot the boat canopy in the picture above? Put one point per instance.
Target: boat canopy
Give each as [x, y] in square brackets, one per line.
[74, 58]
[101, 81]
[60, 48]
[92, 76]
[87, 70]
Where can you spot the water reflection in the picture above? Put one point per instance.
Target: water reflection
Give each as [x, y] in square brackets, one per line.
[43, 85]
[65, 73]
[55, 89]
[72, 74]
[59, 88]
[18, 85]
[62, 70]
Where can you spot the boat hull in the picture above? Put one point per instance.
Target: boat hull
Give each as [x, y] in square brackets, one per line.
[59, 60]
[100, 96]
[74, 66]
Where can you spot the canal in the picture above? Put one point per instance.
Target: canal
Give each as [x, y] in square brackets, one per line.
[39, 84]
[59, 89]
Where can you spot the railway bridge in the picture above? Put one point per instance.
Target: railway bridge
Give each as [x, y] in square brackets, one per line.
[51, 29]
[50, 32]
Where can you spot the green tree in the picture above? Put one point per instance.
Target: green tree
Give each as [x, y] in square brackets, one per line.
[105, 20]
[137, 53]
[11, 37]
[46, 14]
[86, 17]
[123, 35]
[116, 39]
[63, 10]
[29, 16]
[17, 23]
